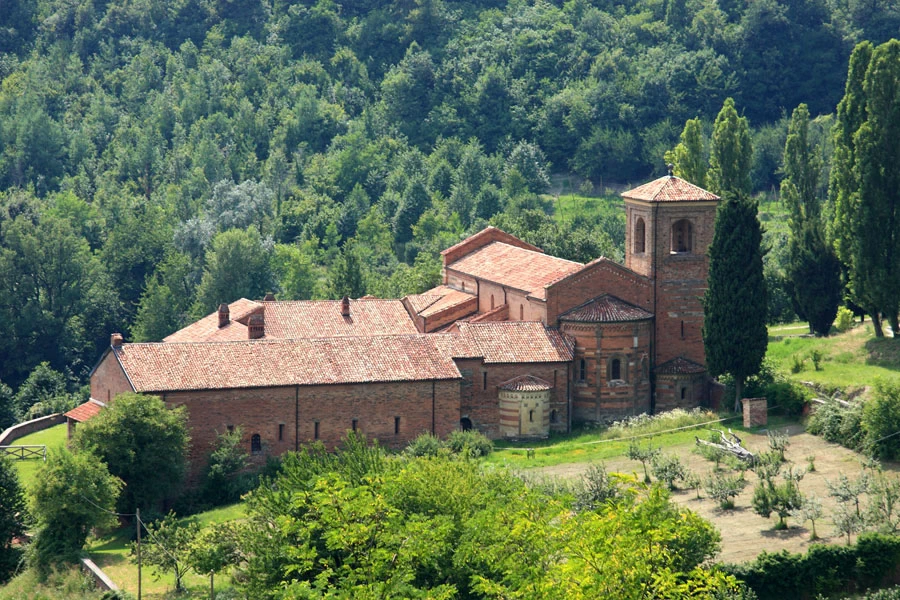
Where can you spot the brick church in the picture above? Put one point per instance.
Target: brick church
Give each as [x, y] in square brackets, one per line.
[514, 343]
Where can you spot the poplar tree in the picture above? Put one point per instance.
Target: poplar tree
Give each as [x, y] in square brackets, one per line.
[688, 157]
[813, 270]
[734, 331]
[730, 153]
[865, 183]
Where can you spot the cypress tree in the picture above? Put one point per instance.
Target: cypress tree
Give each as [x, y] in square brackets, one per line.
[730, 153]
[734, 332]
[813, 270]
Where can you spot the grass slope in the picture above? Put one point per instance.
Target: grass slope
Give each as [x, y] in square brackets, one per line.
[53, 437]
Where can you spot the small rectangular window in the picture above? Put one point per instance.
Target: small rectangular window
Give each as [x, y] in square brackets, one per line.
[315, 430]
[355, 422]
[281, 432]
[484, 380]
[396, 425]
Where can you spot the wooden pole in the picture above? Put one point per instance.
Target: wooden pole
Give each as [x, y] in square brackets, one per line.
[138, 524]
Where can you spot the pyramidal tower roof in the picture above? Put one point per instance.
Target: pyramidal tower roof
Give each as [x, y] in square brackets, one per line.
[670, 189]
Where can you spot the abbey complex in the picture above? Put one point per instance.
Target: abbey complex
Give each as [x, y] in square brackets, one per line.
[514, 343]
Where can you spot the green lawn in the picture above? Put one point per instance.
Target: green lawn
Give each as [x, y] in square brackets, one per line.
[849, 361]
[607, 444]
[53, 437]
[568, 206]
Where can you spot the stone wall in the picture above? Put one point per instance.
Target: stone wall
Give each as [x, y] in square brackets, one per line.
[15, 432]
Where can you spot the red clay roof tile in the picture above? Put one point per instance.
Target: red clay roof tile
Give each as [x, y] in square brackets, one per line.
[322, 318]
[514, 267]
[526, 383]
[606, 309]
[669, 189]
[680, 366]
[208, 328]
[84, 412]
[518, 342]
[273, 363]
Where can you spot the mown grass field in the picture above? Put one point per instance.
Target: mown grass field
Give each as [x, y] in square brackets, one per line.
[54, 437]
[850, 361]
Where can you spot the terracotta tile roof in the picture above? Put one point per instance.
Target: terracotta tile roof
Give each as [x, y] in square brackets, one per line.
[526, 383]
[322, 318]
[455, 345]
[606, 309]
[669, 189]
[207, 328]
[514, 267]
[302, 319]
[273, 363]
[680, 366]
[437, 300]
[483, 238]
[518, 342]
[84, 412]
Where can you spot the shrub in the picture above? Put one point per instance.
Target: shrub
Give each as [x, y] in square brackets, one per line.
[880, 420]
[222, 482]
[816, 357]
[472, 443]
[797, 363]
[844, 320]
[724, 488]
[595, 489]
[425, 444]
[838, 424]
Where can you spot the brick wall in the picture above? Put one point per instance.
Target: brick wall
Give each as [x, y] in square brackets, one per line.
[480, 396]
[296, 412]
[108, 380]
[597, 278]
[598, 398]
[755, 412]
[681, 391]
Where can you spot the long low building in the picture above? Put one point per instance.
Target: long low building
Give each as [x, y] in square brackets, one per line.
[514, 343]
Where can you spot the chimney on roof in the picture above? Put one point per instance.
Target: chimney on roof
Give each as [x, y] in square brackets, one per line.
[224, 317]
[270, 297]
[115, 340]
[345, 306]
[256, 326]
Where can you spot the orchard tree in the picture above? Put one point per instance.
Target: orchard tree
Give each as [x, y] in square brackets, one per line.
[734, 331]
[144, 443]
[168, 547]
[813, 271]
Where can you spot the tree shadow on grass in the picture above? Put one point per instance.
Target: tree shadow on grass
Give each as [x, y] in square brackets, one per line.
[883, 352]
[784, 534]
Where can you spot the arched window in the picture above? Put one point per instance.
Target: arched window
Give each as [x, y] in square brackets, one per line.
[553, 417]
[682, 233]
[531, 416]
[465, 424]
[492, 302]
[640, 231]
[521, 312]
[615, 369]
[683, 393]
[582, 370]
[255, 444]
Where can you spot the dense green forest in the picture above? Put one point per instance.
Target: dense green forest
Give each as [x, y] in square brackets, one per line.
[158, 157]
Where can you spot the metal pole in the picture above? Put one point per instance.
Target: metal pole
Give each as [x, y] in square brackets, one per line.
[138, 525]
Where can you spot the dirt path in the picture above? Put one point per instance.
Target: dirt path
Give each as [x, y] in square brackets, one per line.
[744, 533]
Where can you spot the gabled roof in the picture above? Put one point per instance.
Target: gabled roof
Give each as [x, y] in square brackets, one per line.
[606, 309]
[302, 319]
[437, 300]
[207, 328]
[482, 238]
[514, 267]
[322, 318]
[669, 189]
[271, 363]
[680, 366]
[526, 383]
[518, 342]
[85, 411]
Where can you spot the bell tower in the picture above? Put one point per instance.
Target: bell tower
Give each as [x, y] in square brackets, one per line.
[669, 227]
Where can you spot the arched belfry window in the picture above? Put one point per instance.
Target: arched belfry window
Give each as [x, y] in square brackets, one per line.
[682, 234]
[640, 234]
